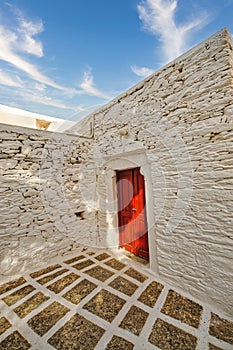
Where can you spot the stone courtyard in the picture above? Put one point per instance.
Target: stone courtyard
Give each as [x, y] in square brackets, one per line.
[60, 195]
[104, 299]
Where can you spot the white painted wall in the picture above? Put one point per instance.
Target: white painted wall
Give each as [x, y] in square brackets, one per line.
[40, 197]
[177, 126]
[181, 119]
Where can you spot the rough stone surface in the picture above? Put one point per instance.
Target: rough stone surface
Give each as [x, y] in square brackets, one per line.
[179, 126]
[40, 197]
[58, 191]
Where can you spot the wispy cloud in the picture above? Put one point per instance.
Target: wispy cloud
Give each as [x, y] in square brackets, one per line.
[23, 39]
[141, 71]
[39, 87]
[46, 100]
[88, 86]
[19, 43]
[158, 17]
[27, 30]
[10, 43]
[8, 80]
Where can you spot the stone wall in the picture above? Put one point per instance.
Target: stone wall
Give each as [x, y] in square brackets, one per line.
[59, 191]
[177, 125]
[42, 212]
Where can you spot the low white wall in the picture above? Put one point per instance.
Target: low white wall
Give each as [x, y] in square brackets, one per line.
[20, 117]
[42, 212]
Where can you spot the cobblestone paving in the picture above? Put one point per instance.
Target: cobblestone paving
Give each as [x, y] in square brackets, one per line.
[98, 300]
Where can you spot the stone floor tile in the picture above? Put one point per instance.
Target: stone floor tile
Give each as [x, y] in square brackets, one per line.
[80, 291]
[115, 264]
[44, 271]
[63, 282]
[123, 285]
[99, 273]
[102, 256]
[182, 308]
[136, 275]
[118, 343]
[47, 318]
[83, 264]
[77, 333]
[150, 295]
[49, 278]
[15, 341]
[31, 304]
[77, 258]
[11, 285]
[105, 305]
[221, 328]
[134, 320]
[168, 337]
[81, 332]
[4, 324]
[19, 294]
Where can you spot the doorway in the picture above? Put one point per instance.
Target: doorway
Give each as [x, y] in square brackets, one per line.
[132, 220]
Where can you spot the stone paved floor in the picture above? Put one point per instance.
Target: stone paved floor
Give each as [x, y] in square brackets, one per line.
[104, 300]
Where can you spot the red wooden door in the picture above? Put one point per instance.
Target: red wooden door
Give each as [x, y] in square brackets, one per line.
[132, 220]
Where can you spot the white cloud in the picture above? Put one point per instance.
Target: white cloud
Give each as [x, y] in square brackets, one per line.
[26, 30]
[45, 100]
[18, 40]
[141, 71]
[158, 17]
[9, 43]
[27, 42]
[39, 87]
[8, 80]
[88, 86]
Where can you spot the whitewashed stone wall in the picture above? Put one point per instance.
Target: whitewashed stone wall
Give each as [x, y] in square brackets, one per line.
[179, 122]
[59, 191]
[42, 213]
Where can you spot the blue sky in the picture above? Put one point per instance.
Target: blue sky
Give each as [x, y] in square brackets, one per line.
[64, 58]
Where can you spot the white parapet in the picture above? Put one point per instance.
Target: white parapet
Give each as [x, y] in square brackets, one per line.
[20, 117]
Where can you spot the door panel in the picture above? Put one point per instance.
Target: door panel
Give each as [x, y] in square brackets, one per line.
[132, 212]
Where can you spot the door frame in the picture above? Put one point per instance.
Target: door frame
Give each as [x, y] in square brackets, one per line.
[134, 244]
[109, 235]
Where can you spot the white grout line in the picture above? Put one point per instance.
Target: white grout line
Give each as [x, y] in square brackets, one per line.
[153, 315]
[181, 325]
[3, 295]
[112, 329]
[203, 339]
[145, 346]
[116, 322]
[220, 343]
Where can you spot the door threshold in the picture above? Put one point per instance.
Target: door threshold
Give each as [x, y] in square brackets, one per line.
[136, 258]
